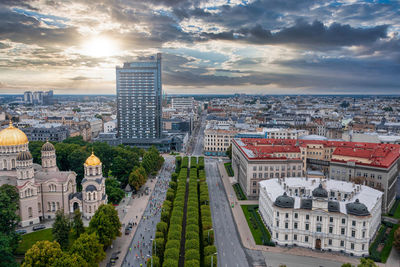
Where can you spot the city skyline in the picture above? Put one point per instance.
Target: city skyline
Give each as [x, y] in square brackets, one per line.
[210, 47]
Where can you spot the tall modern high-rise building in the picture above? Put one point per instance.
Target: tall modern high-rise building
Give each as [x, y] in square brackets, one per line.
[139, 96]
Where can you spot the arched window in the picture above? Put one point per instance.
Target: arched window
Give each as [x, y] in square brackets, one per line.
[48, 204]
[30, 212]
[4, 164]
[53, 204]
[27, 174]
[94, 195]
[13, 163]
[90, 171]
[90, 209]
[39, 209]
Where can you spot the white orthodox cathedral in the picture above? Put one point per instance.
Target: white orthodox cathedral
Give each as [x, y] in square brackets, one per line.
[44, 189]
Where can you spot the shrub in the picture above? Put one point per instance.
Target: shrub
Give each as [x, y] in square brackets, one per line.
[173, 244]
[209, 250]
[162, 227]
[192, 228]
[172, 253]
[160, 246]
[192, 244]
[156, 262]
[170, 196]
[208, 237]
[192, 221]
[159, 234]
[173, 185]
[170, 263]
[207, 261]
[192, 254]
[174, 177]
[192, 263]
[174, 235]
[192, 235]
[165, 216]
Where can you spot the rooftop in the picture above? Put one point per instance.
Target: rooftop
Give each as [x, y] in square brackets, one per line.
[364, 194]
[373, 154]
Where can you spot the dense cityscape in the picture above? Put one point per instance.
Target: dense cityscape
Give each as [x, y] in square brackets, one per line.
[201, 133]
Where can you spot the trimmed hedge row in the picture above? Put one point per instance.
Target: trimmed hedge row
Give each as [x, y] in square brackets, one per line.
[200, 164]
[185, 162]
[193, 162]
[168, 231]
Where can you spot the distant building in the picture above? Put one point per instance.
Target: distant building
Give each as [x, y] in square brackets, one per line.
[54, 134]
[28, 97]
[325, 215]
[139, 102]
[96, 125]
[217, 141]
[185, 103]
[109, 126]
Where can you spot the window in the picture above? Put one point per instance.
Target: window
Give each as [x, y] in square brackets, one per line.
[277, 223]
[287, 215]
[254, 168]
[255, 175]
[330, 242]
[342, 230]
[318, 228]
[353, 223]
[352, 245]
[306, 239]
[295, 225]
[254, 183]
[330, 229]
[343, 220]
[286, 237]
[30, 212]
[307, 217]
[331, 219]
[277, 214]
[296, 215]
[341, 243]
[363, 246]
[286, 225]
[277, 236]
[363, 234]
[307, 226]
[295, 237]
[353, 233]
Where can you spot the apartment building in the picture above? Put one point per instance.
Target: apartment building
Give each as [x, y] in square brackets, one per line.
[217, 141]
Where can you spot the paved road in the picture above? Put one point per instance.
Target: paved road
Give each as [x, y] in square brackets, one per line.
[141, 249]
[229, 247]
[198, 147]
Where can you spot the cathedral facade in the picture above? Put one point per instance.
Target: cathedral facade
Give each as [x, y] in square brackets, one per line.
[44, 189]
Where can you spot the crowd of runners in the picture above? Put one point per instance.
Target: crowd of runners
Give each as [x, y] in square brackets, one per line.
[140, 249]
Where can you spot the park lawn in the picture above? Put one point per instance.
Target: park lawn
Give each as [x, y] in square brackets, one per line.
[388, 244]
[28, 240]
[256, 226]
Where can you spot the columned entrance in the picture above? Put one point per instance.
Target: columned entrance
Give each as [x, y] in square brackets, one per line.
[318, 244]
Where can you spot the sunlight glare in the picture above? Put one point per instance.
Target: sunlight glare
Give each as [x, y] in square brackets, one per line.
[99, 47]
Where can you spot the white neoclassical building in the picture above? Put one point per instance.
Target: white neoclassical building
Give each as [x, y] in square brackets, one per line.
[319, 214]
[44, 189]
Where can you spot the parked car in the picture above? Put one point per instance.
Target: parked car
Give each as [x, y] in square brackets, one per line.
[127, 231]
[20, 231]
[114, 258]
[38, 227]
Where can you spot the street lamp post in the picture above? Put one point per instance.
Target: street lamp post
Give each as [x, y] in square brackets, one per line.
[212, 257]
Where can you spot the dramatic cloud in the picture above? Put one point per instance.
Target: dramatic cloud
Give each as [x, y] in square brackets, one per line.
[210, 46]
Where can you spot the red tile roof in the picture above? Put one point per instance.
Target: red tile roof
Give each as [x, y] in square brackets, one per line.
[379, 155]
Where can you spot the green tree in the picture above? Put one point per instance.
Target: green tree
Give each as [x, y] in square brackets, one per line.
[366, 263]
[42, 254]
[61, 228]
[229, 152]
[114, 192]
[6, 252]
[35, 147]
[8, 209]
[77, 224]
[76, 160]
[63, 150]
[89, 247]
[106, 224]
[137, 177]
[123, 163]
[106, 153]
[78, 140]
[70, 260]
[347, 265]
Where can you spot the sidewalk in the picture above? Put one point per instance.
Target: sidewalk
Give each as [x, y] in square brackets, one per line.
[248, 240]
[134, 208]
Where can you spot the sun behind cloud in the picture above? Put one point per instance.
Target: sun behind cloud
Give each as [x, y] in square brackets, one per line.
[99, 46]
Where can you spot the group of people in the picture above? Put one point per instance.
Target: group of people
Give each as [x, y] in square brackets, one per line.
[140, 249]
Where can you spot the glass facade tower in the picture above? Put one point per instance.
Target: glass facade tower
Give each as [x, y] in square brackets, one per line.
[139, 96]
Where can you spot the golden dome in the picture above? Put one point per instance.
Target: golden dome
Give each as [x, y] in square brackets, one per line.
[92, 160]
[12, 136]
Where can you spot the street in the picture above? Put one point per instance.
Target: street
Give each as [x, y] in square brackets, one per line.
[229, 246]
[140, 248]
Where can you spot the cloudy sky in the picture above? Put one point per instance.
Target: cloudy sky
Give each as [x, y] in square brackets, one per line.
[208, 46]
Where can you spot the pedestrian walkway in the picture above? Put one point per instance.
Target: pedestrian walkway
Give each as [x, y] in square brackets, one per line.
[132, 211]
[248, 240]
